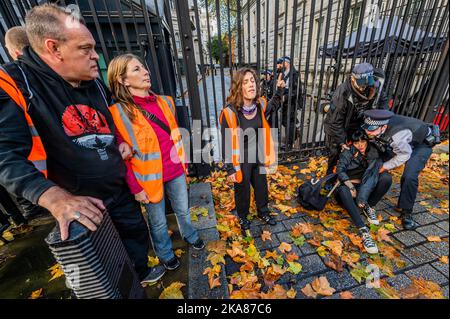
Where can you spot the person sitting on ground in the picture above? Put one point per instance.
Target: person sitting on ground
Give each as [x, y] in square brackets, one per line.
[358, 172]
[244, 119]
[147, 122]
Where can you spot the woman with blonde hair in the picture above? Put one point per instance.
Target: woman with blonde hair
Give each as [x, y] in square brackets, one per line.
[146, 121]
[246, 112]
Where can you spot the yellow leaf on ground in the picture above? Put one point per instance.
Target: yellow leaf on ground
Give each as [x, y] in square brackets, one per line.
[56, 272]
[436, 239]
[36, 294]
[285, 247]
[291, 293]
[383, 235]
[308, 291]
[271, 254]
[179, 252]
[335, 246]
[173, 291]
[319, 286]
[292, 257]
[153, 261]
[444, 260]
[277, 292]
[266, 235]
[217, 246]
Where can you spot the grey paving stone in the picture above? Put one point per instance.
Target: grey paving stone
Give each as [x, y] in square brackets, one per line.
[308, 249]
[392, 212]
[428, 273]
[440, 249]
[419, 255]
[443, 268]
[381, 205]
[312, 265]
[284, 237]
[419, 208]
[198, 287]
[443, 225]
[425, 218]
[281, 216]
[200, 195]
[399, 282]
[362, 292]
[409, 238]
[279, 227]
[341, 281]
[289, 223]
[311, 220]
[441, 216]
[432, 230]
[408, 264]
[262, 245]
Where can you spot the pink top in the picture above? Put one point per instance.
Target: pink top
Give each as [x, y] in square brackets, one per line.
[171, 170]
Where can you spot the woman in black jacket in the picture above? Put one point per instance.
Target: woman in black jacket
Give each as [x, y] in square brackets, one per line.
[362, 186]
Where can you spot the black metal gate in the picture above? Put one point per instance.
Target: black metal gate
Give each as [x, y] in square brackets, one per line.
[192, 48]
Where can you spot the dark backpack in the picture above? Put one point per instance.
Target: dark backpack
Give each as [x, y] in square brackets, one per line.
[309, 193]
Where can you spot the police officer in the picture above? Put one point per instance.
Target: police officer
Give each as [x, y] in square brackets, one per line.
[267, 84]
[291, 77]
[405, 140]
[361, 91]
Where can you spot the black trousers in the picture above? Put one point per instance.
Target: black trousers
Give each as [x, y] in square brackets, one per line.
[127, 217]
[333, 153]
[410, 179]
[284, 121]
[251, 176]
[344, 197]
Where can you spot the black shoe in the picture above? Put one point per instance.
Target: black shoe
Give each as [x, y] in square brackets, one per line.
[154, 275]
[268, 219]
[245, 224]
[407, 220]
[199, 244]
[172, 264]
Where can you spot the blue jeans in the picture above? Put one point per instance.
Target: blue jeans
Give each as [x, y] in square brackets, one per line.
[177, 193]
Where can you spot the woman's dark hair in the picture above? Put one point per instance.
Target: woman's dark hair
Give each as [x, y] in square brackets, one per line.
[358, 136]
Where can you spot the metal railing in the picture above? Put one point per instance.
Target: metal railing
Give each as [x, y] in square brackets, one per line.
[192, 48]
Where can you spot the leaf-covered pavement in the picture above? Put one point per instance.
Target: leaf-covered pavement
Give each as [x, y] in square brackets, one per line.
[311, 254]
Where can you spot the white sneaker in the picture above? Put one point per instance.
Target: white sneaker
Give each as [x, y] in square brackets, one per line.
[368, 242]
[371, 215]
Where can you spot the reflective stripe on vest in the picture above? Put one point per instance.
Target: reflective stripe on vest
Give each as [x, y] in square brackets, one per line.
[171, 106]
[148, 177]
[142, 156]
[37, 154]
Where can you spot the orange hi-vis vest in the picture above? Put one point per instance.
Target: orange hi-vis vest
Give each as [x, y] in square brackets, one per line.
[147, 161]
[270, 156]
[37, 156]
